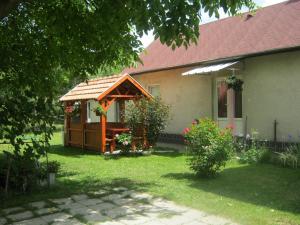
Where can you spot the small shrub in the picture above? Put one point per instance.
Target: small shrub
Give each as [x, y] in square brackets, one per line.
[124, 141]
[291, 157]
[255, 155]
[208, 147]
[152, 115]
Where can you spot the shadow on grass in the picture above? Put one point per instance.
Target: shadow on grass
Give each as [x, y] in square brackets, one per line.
[71, 151]
[77, 152]
[263, 185]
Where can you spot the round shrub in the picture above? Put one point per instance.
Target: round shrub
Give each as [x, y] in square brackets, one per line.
[208, 147]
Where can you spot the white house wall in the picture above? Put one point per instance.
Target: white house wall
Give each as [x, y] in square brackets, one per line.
[271, 91]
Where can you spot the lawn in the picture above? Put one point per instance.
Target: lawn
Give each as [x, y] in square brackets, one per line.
[247, 194]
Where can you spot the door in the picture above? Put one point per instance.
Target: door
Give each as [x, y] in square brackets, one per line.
[229, 107]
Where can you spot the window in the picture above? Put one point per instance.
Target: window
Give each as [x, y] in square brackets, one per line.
[238, 105]
[154, 90]
[224, 102]
[222, 99]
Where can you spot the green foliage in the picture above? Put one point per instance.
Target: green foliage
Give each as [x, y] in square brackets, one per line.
[20, 172]
[45, 46]
[208, 147]
[255, 155]
[99, 110]
[234, 83]
[290, 157]
[124, 141]
[152, 115]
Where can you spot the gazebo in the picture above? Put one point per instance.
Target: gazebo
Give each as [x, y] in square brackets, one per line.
[86, 130]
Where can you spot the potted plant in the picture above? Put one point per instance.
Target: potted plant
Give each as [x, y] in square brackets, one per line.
[53, 168]
[124, 141]
[234, 83]
[99, 110]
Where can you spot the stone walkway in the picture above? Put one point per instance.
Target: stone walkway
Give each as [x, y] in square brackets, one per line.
[117, 207]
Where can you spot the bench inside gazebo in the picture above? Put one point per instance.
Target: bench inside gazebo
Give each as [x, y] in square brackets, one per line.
[87, 129]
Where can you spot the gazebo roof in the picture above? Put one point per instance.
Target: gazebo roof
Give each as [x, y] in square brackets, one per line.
[100, 87]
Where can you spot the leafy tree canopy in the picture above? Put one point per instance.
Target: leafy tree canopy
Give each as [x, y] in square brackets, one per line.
[46, 43]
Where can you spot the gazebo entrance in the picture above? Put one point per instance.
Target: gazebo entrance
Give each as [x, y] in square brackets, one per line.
[81, 129]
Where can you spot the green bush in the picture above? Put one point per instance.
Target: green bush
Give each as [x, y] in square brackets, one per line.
[208, 147]
[291, 157]
[255, 155]
[151, 114]
[124, 141]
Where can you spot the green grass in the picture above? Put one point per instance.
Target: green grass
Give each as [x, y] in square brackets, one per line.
[248, 194]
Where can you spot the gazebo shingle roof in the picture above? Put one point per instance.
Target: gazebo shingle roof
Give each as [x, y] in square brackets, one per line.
[98, 88]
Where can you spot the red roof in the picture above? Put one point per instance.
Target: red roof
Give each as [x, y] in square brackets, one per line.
[271, 28]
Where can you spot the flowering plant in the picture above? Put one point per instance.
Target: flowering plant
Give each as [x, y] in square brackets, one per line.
[124, 141]
[73, 109]
[99, 110]
[208, 146]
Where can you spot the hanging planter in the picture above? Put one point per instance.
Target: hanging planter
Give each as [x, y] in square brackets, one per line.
[99, 111]
[69, 110]
[234, 83]
[73, 110]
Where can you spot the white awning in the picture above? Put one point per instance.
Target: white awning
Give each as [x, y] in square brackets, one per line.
[208, 69]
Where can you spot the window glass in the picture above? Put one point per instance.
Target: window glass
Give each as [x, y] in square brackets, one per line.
[222, 99]
[238, 104]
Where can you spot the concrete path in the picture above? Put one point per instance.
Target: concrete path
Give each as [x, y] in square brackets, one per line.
[117, 207]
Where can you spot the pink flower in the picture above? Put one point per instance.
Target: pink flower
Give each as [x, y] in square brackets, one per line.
[186, 130]
[230, 126]
[125, 143]
[117, 135]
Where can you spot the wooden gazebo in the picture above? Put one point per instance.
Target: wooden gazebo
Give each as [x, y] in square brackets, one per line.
[105, 90]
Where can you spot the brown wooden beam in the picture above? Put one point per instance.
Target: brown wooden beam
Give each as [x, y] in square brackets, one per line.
[122, 96]
[103, 129]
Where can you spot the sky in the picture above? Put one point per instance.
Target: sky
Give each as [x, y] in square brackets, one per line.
[147, 39]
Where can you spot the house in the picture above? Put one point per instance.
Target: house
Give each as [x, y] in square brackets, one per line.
[94, 112]
[262, 49]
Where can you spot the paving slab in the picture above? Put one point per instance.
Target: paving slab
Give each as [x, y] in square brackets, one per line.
[134, 219]
[44, 211]
[215, 220]
[34, 221]
[56, 217]
[62, 201]
[79, 197]
[73, 205]
[103, 206]
[109, 223]
[38, 205]
[112, 197]
[122, 201]
[96, 218]
[90, 201]
[69, 221]
[124, 207]
[117, 212]
[12, 210]
[20, 216]
[120, 189]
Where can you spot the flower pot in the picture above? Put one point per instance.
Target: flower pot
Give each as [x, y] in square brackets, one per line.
[51, 178]
[43, 182]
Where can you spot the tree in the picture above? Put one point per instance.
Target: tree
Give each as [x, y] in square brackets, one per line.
[46, 43]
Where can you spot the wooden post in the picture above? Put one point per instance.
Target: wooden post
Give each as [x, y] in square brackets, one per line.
[66, 126]
[103, 129]
[83, 121]
[122, 111]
